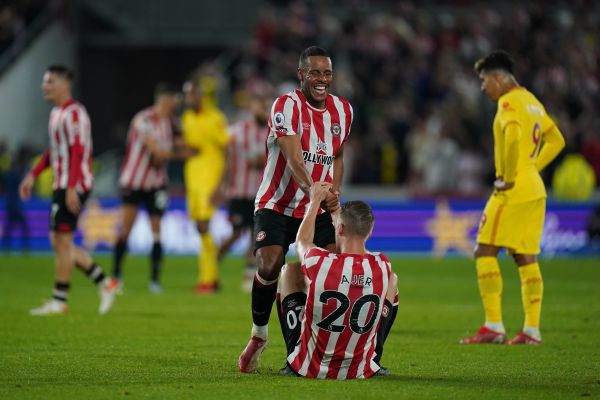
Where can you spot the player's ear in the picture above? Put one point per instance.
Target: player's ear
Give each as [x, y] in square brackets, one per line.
[299, 75]
[340, 229]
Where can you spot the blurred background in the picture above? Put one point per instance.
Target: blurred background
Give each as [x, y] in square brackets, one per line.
[421, 144]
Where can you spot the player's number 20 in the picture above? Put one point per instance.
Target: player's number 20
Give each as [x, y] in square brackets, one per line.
[343, 305]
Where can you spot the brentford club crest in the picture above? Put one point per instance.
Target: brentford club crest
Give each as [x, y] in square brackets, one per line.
[260, 236]
[385, 311]
[336, 130]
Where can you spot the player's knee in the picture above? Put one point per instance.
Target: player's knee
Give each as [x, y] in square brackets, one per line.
[237, 233]
[291, 270]
[292, 277]
[202, 226]
[268, 263]
[394, 282]
[123, 236]
[524, 259]
[61, 242]
[125, 232]
[484, 250]
[392, 287]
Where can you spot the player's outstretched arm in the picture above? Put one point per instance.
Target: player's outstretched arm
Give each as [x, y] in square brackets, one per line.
[306, 232]
[554, 142]
[292, 151]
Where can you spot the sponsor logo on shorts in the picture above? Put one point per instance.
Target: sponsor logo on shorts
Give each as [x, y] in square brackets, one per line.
[385, 311]
[260, 236]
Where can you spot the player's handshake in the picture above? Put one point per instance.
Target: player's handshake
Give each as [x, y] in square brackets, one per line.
[319, 190]
[323, 193]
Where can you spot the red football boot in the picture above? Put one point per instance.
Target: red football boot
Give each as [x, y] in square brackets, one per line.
[523, 338]
[248, 361]
[485, 335]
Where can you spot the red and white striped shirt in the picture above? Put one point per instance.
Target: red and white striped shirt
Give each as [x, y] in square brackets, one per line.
[342, 314]
[138, 171]
[70, 151]
[321, 132]
[247, 143]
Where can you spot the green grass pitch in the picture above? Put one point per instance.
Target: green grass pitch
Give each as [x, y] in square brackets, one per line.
[179, 345]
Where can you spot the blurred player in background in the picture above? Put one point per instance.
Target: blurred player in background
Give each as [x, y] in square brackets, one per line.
[525, 141]
[70, 156]
[337, 306]
[246, 158]
[15, 217]
[205, 131]
[144, 179]
[305, 142]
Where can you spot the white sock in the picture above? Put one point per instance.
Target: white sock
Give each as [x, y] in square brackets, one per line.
[260, 331]
[496, 326]
[533, 331]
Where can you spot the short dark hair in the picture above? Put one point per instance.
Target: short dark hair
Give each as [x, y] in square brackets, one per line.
[497, 59]
[61, 71]
[165, 88]
[309, 52]
[357, 218]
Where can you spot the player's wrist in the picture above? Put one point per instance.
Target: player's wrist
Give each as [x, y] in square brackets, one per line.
[500, 184]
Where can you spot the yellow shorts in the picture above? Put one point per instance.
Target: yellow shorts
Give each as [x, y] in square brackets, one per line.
[516, 227]
[199, 204]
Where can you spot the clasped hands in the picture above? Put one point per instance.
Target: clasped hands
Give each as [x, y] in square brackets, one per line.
[324, 194]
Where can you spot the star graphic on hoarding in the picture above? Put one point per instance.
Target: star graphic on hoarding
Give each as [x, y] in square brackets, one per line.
[450, 230]
[99, 225]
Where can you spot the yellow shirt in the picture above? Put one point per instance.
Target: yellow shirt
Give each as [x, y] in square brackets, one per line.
[207, 132]
[520, 107]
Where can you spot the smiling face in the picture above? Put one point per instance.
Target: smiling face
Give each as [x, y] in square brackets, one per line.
[315, 79]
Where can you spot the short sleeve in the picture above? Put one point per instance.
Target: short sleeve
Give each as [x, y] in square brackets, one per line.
[284, 117]
[351, 119]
